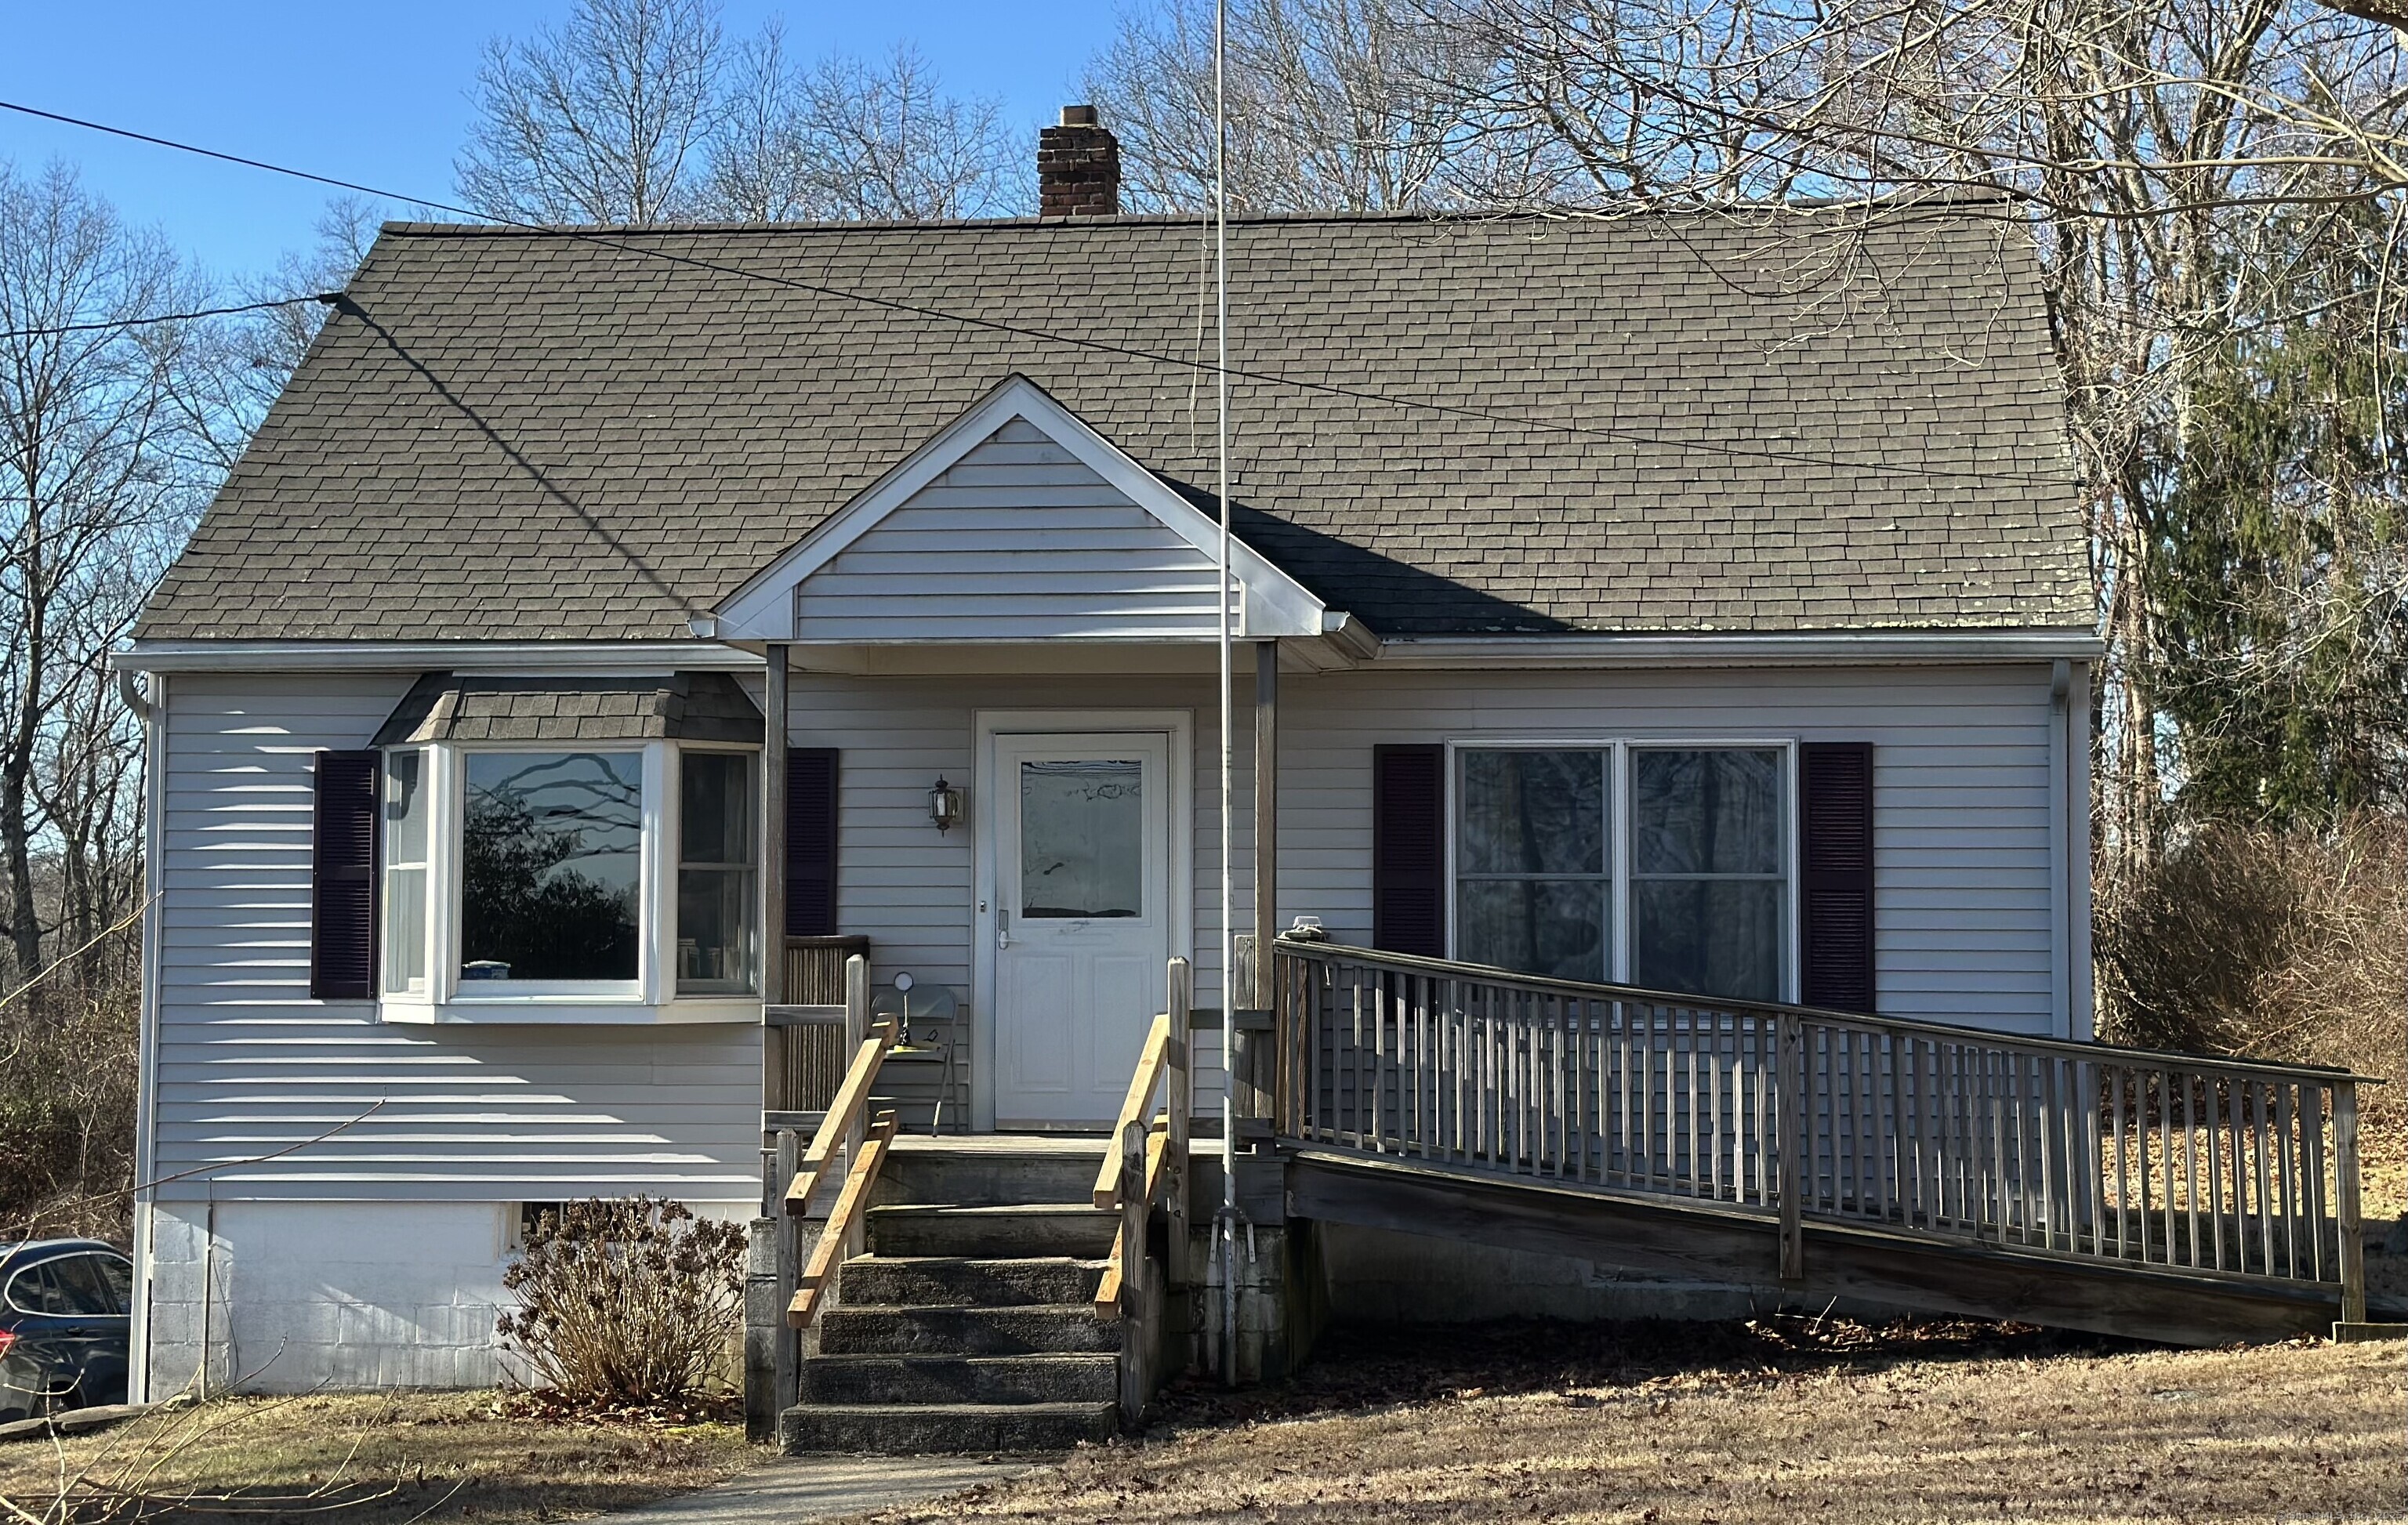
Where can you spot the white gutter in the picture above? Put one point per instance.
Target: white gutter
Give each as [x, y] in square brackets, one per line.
[2060, 852]
[527, 658]
[1881, 648]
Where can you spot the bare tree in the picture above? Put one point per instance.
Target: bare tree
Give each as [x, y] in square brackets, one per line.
[603, 119]
[98, 482]
[845, 140]
[1363, 105]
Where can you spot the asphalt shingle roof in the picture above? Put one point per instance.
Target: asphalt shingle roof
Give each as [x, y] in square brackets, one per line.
[1655, 423]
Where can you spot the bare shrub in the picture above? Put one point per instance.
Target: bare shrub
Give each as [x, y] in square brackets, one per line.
[2281, 945]
[627, 1306]
[68, 1078]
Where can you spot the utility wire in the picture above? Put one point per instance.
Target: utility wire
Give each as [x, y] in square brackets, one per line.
[97, 324]
[1026, 330]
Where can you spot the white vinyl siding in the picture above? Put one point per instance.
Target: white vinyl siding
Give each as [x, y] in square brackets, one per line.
[1960, 797]
[249, 1064]
[1017, 541]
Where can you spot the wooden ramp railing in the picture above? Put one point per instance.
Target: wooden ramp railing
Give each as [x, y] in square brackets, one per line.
[1146, 1160]
[2078, 1151]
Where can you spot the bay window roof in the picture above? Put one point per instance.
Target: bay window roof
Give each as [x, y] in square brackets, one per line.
[476, 707]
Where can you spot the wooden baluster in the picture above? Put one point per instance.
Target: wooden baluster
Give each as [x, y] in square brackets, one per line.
[2260, 1095]
[2287, 1154]
[2312, 1111]
[2235, 1139]
[2123, 1178]
[2215, 1173]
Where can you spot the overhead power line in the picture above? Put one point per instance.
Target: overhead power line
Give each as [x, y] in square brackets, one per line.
[97, 324]
[1028, 331]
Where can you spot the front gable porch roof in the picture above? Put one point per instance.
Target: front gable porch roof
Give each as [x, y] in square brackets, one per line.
[1016, 522]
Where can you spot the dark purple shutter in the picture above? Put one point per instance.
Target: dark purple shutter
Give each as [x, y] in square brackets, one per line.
[1835, 900]
[1408, 850]
[342, 877]
[811, 841]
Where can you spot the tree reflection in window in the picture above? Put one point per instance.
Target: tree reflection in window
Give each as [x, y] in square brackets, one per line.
[549, 861]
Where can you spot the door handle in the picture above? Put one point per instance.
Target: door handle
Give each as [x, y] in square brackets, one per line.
[1002, 928]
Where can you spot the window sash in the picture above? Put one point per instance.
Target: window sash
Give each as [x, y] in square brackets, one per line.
[1621, 877]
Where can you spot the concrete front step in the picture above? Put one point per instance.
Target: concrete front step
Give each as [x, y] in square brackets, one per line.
[948, 1281]
[988, 1171]
[851, 1380]
[992, 1232]
[855, 1330]
[916, 1429]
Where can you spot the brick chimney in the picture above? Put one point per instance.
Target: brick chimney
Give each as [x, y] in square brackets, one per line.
[1077, 168]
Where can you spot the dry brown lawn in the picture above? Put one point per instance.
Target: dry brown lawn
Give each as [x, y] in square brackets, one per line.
[358, 1458]
[1718, 1425]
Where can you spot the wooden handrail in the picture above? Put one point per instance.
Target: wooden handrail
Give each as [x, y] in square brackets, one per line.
[1641, 995]
[1110, 1291]
[1153, 1063]
[852, 1098]
[842, 1221]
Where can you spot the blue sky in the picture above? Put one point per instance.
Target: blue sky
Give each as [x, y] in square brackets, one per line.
[378, 92]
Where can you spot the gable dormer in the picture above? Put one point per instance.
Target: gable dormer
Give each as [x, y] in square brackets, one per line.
[1016, 522]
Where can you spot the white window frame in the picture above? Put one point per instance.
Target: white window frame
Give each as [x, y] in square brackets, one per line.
[651, 997]
[1618, 749]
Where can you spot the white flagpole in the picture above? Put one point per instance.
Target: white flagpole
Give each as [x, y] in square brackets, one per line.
[1230, 993]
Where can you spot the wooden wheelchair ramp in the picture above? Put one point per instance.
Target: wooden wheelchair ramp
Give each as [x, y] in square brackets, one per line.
[2159, 1195]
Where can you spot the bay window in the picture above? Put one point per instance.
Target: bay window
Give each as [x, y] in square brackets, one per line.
[609, 881]
[1666, 866]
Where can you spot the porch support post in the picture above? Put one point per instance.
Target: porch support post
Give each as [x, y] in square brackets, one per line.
[775, 688]
[1266, 816]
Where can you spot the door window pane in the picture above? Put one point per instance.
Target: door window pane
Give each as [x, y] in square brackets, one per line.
[1081, 839]
[1531, 866]
[406, 811]
[1708, 883]
[551, 850]
[716, 942]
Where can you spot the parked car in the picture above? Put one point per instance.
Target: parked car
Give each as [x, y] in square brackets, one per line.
[64, 1322]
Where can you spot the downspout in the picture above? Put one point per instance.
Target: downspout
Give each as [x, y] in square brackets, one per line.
[2060, 873]
[151, 709]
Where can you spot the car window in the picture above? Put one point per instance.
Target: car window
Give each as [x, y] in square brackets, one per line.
[33, 1291]
[118, 1272]
[82, 1287]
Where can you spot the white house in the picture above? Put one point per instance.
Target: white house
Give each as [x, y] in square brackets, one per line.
[1694, 601]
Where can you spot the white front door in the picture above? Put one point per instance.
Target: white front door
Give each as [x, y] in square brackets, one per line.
[1083, 907]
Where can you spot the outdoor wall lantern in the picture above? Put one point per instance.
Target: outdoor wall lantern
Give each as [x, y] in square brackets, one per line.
[944, 805]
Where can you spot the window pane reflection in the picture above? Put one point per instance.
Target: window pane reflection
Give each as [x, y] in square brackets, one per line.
[1081, 839]
[550, 848]
[716, 950]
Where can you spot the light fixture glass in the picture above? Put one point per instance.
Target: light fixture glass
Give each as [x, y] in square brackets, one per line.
[944, 805]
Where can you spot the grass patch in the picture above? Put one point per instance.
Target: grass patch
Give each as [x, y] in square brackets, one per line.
[1775, 1422]
[377, 1458]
